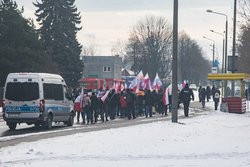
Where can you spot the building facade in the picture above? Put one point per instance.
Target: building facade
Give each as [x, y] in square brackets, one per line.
[102, 67]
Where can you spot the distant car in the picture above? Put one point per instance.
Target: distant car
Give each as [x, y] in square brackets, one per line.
[193, 86]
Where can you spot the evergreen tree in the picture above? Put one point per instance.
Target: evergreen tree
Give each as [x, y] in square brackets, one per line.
[59, 20]
[20, 49]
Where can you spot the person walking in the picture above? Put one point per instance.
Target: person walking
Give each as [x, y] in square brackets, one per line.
[140, 102]
[86, 105]
[208, 90]
[216, 98]
[112, 104]
[202, 96]
[199, 93]
[130, 98]
[186, 96]
[148, 104]
[123, 103]
[247, 93]
[78, 109]
[94, 106]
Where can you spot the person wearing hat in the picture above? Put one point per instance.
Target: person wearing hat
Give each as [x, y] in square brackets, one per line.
[186, 96]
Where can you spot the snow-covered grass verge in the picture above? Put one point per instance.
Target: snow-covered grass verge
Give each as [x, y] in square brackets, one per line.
[216, 139]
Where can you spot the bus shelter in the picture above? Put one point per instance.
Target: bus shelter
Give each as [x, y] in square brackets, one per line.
[233, 97]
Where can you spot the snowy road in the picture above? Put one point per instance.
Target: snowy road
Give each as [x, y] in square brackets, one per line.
[26, 133]
[215, 139]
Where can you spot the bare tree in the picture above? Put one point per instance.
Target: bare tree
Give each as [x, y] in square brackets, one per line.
[89, 48]
[192, 65]
[244, 37]
[245, 9]
[244, 49]
[149, 46]
[119, 48]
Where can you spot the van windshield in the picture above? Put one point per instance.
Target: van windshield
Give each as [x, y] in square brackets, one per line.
[22, 91]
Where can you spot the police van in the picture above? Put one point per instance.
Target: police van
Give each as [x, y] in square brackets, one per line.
[36, 98]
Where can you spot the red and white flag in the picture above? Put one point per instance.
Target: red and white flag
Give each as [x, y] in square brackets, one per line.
[157, 84]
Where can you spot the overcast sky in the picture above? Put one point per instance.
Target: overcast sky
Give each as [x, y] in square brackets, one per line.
[107, 21]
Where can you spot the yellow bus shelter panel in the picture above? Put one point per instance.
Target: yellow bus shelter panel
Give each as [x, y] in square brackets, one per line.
[233, 76]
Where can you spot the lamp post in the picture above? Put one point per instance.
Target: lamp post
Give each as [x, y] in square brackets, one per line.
[175, 64]
[226, 35]
[213, 47]
[223, 49]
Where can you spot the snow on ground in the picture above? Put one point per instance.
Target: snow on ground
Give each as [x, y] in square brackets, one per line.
[216, 139]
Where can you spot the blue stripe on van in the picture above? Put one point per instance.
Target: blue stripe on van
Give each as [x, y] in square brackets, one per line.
[55, 108]
[25, 109]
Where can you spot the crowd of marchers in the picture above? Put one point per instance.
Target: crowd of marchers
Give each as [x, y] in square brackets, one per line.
[109, 104]
[206, 93]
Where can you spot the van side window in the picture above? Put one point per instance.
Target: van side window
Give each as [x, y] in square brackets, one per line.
[53, 91]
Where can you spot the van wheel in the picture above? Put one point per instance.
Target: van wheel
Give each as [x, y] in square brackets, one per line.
[37, 125]
[48, 123]
[71, 120]
[12, 126]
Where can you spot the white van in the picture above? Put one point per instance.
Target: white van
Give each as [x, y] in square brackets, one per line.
[36, 98]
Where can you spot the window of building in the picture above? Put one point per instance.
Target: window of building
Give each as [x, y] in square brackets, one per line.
[106, 69]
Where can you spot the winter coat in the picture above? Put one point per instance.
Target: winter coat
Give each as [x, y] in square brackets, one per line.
[208, 91]
[123, 101]
[203, 94]
[216, 95]
[86, 101]
[94, 102]
[130, 98]
[148, 98]
[77, 104]
[186, 94]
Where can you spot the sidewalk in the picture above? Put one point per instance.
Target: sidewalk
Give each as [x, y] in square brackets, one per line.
[1, 114]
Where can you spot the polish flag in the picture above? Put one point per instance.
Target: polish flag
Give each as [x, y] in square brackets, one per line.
[147, 83]
[157, 84]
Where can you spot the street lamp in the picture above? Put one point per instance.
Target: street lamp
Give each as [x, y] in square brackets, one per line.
[223, 49]
[213, 47]
[226, 35]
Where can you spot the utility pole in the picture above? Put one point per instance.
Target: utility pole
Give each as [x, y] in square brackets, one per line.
[175, 64]
[213, 54]
[234, 43]
[226, 38]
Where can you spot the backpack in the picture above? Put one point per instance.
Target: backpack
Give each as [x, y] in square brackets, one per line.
[217, 95]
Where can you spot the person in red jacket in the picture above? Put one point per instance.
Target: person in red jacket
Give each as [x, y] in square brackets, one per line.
[78, 109]
[123, 103]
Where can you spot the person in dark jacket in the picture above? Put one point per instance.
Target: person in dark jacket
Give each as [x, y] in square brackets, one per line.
[154, 100]
[148, 104]
[94, 106]
[247, 93]
[186, 96]
[199, 93]
[216, 98]
[213, 89]
[160, 102]
[203, 94]
[130, 97]
[208, 90]
[140, 102]
[123, 103]
[112, 104]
